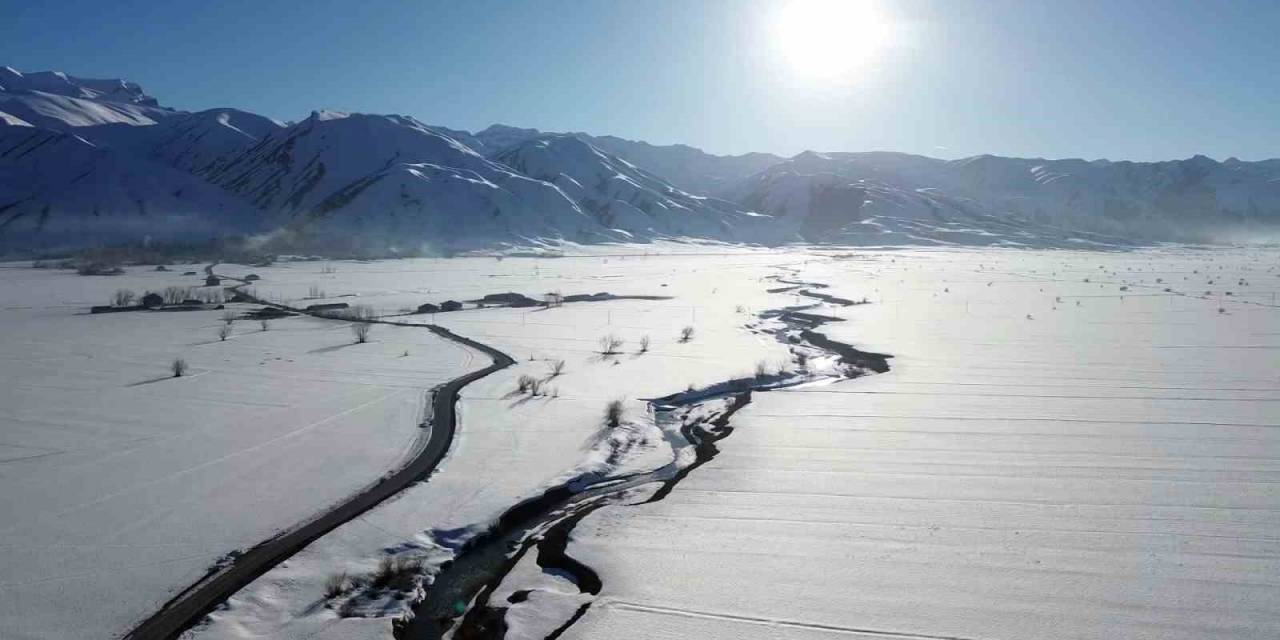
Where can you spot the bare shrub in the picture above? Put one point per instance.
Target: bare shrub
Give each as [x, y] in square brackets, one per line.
[361, 331]
[557, 368]
[762, 369]
[535, 387]
[644, 343]
[610, 344]
[686, 334]
[179, 367]
[223, 332]
[336, 585]
[122, 298]
[613, 413]
[265, 324]
[397, 573]
[524, 383]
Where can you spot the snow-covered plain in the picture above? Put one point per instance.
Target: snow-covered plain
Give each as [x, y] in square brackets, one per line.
[120, 485]
[510, 446]
[1050, 457]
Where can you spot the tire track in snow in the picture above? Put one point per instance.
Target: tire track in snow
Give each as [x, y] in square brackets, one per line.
[777, 622]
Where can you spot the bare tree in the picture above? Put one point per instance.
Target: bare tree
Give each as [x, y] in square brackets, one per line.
[554, 299]
[315, 292]
[557, 367]
[762, 369]
[223, 332]
[266, 325]
[228, 317]
[361, 331]
[613, 413]
[644, 343]
[122, 298]
[686, 334]
[610, 344]
[179, 367]
[524, 383]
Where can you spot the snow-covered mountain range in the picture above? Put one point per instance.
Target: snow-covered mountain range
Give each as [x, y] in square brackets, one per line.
[89, 161]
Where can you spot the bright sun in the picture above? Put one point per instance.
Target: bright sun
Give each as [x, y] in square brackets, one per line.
[829, 38]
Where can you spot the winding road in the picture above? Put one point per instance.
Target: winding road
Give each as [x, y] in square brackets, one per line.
[188, 607]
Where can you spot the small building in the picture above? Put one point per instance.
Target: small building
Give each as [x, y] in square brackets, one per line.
[328, 306]
[152, 300]
[427, 307]
[253, 277]
[212, 281]
[509, 300]
[450, 305]
[268, 313]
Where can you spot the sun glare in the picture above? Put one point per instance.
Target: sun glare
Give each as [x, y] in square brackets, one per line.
[830, 38]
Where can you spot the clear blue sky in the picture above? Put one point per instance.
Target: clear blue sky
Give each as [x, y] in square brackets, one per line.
[1062, 78]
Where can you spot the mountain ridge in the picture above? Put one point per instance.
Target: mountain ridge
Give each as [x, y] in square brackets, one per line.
[395, 180]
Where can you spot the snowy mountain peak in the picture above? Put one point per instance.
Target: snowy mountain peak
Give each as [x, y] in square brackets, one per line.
[59, 83]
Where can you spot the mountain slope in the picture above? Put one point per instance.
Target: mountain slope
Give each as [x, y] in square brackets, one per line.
[1184, 199]
[391, 178]
[199, 143]
[59, 83]
[64, 113]
[686, 167]
[622, 196]
[58, 188]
